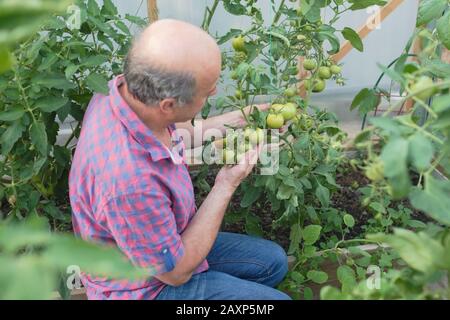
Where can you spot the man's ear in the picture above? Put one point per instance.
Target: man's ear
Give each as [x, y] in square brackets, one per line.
[167, 106]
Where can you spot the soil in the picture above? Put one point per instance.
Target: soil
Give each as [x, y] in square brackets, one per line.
[347, 198]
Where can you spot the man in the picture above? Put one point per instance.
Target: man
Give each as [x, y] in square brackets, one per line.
[127, 187]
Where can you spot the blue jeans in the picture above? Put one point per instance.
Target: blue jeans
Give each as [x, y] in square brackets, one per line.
[240, 268]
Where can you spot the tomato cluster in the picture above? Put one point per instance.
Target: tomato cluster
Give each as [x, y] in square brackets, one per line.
[322, 73]
[237, 143]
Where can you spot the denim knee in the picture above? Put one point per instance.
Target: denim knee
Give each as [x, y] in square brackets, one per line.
[278, 264]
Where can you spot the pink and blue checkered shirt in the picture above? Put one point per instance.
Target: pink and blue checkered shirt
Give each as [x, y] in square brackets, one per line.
[127, 189]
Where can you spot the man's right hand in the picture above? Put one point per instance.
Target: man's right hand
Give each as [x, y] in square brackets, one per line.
[230, 177]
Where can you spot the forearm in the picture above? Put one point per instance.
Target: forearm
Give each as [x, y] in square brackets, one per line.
[200, 235]
[193, 136]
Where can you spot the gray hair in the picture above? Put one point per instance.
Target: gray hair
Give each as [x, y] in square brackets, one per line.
[150, 85]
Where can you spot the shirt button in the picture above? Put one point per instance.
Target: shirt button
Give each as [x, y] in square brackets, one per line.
[165, 251]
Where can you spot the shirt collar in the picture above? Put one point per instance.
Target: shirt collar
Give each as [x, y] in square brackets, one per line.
[140, 131]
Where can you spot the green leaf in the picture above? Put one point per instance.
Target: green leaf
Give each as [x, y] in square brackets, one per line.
[393, 74]
[319, 277]
[437, 67]
[326, 32]
[421, 151]
[366, 100]
[323, 194]
[93, 8]
[295, 237]
[12, 114]
[25, 278]
[97, 83]
[11, 135]
[429, 10]
[253, 225]
[434, 200]
[419, 250]
[234, 7]
[311, 10]
[347, 278]
[33, 231]
[297, 277]
[48, 62]
[443, 29]
[109, 7]
[362, 4]
[378, 207]
[250, 196]
[389, 125]
[308, 293]
[229, 35]
[6, 60]
[311, 234]
[394, 156]
[70, 71]
[39, 137]
[99, 260]
[441, 103]
[331, 293]
[50, 104]
[56, 81]
[285, 192]
[123, 27]
[349, 220]
[136, 20]
[94, 61]
[352, 36]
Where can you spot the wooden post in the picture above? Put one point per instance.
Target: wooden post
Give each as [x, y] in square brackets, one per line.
[373, 22]
[152, 10]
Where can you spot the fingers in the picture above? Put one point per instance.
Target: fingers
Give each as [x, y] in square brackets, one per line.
[284, 128]
[261, 107]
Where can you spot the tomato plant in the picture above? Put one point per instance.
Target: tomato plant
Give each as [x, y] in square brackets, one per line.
[55, 75]
[263, 61]
[50, 73]
[408, 157]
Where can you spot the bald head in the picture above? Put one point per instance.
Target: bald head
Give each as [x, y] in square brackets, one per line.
[176, 46]
[171, 55]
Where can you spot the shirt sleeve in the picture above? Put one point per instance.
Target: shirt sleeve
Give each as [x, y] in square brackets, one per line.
[144, 228]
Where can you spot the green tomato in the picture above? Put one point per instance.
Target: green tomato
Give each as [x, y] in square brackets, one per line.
[277, 108]
[275, 121]
[293, 71]
[301, 37]
[375, 171]
[243, 147]
[257, 136]
[418, 87]
[238, 94]
[289, 111]
[310, 64]
[319, 86]
[228, 156]
[285, 77]
[238, 43]
[290, 92]
[335, 69]
[234, 75]
[324, 73]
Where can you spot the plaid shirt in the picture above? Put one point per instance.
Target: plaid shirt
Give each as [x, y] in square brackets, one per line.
[127, 189]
